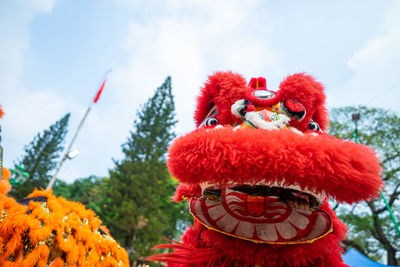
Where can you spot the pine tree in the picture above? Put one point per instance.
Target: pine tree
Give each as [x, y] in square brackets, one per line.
[140, 184]
[41, 157]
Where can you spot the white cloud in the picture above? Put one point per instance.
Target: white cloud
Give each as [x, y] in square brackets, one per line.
[25, 112]
[369, 62]
[375, 80]
[28, 112]
[45, 6]
[190, 42]
[15, 17]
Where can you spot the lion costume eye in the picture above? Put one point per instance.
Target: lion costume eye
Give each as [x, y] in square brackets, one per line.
[313, 126]
[263, 94]
[211, 118]
[211, 121]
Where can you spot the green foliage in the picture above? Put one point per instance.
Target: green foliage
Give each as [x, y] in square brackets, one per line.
[41, 157]
[82, 190]
[89, 191]
[371, 229]
[140, 185]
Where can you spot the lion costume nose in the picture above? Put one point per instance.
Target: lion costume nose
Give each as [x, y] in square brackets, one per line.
[265, 119]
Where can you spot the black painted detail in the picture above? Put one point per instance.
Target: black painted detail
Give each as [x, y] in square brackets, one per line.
[25, 201]
[101, 231]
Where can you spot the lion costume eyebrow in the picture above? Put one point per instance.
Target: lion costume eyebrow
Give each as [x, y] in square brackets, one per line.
[213, 112]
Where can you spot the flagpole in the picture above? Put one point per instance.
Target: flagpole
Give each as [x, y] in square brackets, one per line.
[65, 157]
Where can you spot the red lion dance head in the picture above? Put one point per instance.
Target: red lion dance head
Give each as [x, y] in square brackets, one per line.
[257, 174]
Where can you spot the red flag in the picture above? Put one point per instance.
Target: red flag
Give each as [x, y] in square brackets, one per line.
[96, 98]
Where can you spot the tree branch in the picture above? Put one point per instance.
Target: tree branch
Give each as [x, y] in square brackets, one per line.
[391, 158]
[392, 199]
[378, 234]
[388, 175]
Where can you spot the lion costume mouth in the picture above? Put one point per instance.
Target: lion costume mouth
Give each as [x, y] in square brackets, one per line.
[262, 214]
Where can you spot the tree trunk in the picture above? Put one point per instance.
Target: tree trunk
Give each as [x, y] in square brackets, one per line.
[381, 237]
[129, 248]
[391, 257]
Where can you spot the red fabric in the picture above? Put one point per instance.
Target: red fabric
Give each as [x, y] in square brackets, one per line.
[259, 82]
[97, 97]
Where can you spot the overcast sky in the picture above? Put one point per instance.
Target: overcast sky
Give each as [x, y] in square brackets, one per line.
[54, 53]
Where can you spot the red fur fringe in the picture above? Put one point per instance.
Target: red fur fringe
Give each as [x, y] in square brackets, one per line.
[348, 171]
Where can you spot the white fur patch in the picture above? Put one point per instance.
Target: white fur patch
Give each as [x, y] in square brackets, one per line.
[237, 107]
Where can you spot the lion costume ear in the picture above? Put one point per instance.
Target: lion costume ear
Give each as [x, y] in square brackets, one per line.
[222, 89]
[305, 89]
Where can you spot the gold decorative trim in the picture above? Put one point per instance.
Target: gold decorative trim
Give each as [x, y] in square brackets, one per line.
[3, 215]
[264, 242]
